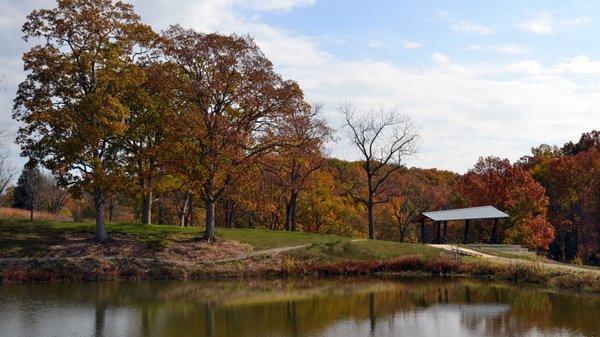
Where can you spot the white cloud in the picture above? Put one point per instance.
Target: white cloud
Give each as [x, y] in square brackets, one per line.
[392, 43]
[412, 45]
[576, 22]
[530, 67]
[544, 23]
[472, 27]
[440, 58]
[464, 110]
[580, 65]
[376, 44]
[462, 25]
[540, 24]
[273, 5]
[508, 48]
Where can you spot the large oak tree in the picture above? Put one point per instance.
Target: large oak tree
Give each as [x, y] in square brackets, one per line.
[230, 101]
[149, 105]
[71, 103]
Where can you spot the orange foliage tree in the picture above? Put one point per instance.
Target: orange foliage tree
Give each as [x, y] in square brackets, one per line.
[71, 103]
[230, 99]
[292, 167]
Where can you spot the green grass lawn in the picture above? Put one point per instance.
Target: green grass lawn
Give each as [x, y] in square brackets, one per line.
[265, 239]
[20, 238]
[364, 250]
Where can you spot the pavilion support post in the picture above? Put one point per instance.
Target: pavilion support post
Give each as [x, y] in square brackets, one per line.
[466, 234]
[423, 230]
[445, 236]
[438, 230]
[494, 235]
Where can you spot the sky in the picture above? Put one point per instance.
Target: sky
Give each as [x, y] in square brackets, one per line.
[478, 78]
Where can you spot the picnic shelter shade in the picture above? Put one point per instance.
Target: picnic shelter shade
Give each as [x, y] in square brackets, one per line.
[441, 218]
[471, 213]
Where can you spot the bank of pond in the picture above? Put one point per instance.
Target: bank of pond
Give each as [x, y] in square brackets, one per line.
[340, 306]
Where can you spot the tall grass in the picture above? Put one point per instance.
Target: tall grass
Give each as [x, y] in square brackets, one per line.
[17, 213]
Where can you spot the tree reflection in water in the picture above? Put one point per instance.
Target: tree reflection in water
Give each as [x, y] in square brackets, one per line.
[296, 308]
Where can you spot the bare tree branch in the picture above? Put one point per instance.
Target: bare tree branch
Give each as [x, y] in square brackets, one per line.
[384, 138]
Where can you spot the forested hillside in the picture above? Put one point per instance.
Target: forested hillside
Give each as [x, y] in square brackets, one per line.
[180, 127]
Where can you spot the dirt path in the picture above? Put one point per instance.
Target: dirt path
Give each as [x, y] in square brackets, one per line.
[471, 252]
[269, 252]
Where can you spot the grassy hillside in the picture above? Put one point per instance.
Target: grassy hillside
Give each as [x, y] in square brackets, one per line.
[52, 251]
[21, 238]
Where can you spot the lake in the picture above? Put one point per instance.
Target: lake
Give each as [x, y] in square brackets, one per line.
[344, 307]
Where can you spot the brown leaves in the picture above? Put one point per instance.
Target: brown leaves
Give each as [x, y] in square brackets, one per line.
[72, 102]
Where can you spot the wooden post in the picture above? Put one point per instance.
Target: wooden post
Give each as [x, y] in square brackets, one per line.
[466, 234]
[494, 235]
[445, 237]
[438, 230]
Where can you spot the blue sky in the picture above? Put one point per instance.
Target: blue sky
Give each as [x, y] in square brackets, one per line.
[478, 77]
[351, 29]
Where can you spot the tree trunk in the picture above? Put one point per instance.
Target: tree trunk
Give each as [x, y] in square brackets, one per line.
[229, 213]
[184, 210]
[161, 211]
[466, 234]
[111, 209]
[190, 220]
[99, 208]
[371, 220]
[422, 230]
[147, 208]
[494, 235]
[209, 232]
[288, 222]
[402, 235]
[445, 239]
[290, 212]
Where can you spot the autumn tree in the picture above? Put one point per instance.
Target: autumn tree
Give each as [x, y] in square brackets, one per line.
[55, 194]
[573, 185]
[587, 141]
[230, 99]
[293, 165]
[71, 102]
[494, 181]
[320, 205]
[414, 191]
[383, 140]
[30, 191]
[149, 106]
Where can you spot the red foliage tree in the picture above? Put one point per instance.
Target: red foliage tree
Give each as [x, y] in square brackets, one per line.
[494, 181]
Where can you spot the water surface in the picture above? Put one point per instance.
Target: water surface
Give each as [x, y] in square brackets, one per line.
[345, 307]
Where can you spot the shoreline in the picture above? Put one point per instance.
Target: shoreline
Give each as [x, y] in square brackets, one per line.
[46, 251]
[61, 270]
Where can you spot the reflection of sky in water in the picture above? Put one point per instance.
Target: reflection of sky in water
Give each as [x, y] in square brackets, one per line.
[395, 309]
[477, 310]
[440, 320]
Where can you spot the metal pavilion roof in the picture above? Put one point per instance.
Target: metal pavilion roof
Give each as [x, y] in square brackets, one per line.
[471, 213]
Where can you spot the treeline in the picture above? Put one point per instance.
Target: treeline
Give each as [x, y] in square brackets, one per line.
[188, 128]
[570, 176]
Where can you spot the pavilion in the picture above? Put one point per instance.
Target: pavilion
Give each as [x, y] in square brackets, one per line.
[441, 219]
